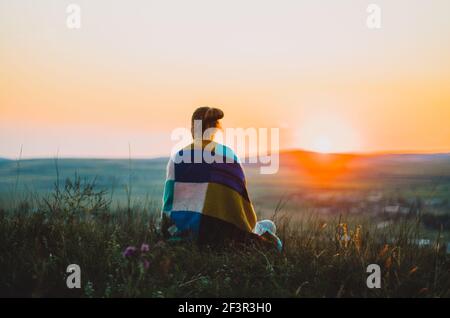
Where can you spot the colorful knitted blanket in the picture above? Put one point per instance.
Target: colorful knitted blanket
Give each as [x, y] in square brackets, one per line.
[205, 194]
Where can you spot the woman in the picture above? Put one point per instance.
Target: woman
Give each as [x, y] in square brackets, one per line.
[205, 195]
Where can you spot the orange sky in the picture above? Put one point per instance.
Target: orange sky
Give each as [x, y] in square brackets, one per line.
[137, 69]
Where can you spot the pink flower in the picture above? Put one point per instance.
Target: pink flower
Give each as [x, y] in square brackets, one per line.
[146, 263]
[145, 248]
[129, 251]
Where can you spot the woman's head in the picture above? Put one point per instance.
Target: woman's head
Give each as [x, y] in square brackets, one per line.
[208, 117]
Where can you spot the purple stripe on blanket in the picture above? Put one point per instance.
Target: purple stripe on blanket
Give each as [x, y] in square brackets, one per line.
[227, 174]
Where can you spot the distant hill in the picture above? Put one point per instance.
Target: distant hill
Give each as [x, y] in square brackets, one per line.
[289, 155]
[145, 176]
[417, 156]
[369, 164]
[298, 169]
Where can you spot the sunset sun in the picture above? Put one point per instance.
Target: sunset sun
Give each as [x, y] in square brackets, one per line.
[328, 135]
[321, 144]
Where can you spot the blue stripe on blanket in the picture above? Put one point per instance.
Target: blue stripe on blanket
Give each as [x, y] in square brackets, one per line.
[168, 195]
[226, 152]
[186, 221]
[227, 174]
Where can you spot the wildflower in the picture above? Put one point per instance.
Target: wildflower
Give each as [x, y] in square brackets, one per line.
[383, 251]
[145, 248]
[146, 263]
[388, 262]
[345, 235]
[129, 251]
[357, 238]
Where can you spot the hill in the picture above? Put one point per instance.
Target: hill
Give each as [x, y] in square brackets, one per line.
[303, 176]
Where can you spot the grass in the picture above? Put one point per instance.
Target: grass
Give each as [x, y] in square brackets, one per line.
[322, 257]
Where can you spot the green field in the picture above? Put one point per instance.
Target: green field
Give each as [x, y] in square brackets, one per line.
[366, 186]
[335, 217]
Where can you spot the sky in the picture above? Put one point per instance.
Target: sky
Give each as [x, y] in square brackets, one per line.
[137, 69]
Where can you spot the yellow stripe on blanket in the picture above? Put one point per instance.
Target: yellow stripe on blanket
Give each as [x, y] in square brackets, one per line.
[226, 204]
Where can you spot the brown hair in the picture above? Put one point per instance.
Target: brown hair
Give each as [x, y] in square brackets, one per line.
[209, 116]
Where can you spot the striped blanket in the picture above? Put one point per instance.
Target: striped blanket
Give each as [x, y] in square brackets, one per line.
[205, 195]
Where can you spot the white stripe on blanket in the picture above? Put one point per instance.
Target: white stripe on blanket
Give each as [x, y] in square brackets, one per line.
[189, 196]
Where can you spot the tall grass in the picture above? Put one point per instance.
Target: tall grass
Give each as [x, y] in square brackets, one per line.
[322, 257]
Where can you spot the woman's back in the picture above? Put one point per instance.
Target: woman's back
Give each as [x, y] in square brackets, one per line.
[205, 194]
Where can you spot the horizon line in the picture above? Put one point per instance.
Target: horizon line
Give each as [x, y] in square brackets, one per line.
[357, 153]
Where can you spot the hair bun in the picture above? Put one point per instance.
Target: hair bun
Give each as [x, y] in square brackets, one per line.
[213, 114]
